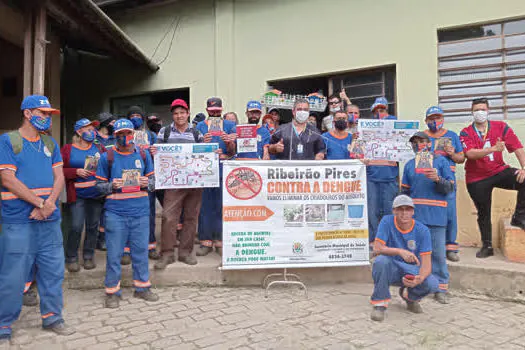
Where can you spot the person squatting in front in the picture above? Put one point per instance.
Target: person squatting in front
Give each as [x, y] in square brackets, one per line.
[403, 247]
[32, 180]
[446, 143]
[429, 188]
[127, 211]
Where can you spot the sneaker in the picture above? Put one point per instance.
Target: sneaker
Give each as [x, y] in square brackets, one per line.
[203, 251]
[101, 245]
[73, 267]
[453, 256]
[441, 298]
[112, 301]
[190, 260]
[30, 298]
[164, 261]
[147, 295]
[153, 254]
[125, 260]
[485, 252]
[378, 313]
[60, 328]
[89, 264]
[218, 250]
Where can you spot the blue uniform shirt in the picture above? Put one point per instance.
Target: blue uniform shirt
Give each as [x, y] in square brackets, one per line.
[126, 204]
[416, 240]
[380, 170]
[33, 166]
[431, 206]
[263, 139]
[85, 188]
[106, 141]
[337, 148]
[228, 127]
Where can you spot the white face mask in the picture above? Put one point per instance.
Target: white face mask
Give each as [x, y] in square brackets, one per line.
[335, 110]
[480, 116]
[301, 116]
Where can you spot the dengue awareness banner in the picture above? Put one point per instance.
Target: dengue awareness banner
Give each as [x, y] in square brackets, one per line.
[279, 214]
[186, 165]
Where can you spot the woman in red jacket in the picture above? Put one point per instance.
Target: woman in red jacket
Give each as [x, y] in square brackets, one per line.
[83, 200]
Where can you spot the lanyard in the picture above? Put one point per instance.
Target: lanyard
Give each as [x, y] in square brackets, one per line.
[480, 134]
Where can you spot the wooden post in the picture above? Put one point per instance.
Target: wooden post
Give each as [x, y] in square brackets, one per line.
[28, 53]
[39, 57]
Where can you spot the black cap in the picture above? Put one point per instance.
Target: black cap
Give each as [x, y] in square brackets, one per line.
[135, 110]
[105, 117]
[214, 103]
[198, 118]
[421, 135]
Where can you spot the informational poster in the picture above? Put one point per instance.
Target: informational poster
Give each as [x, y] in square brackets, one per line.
[246, 138]
[140, 137]
[187, 165]
[387, 139]
[279, 214]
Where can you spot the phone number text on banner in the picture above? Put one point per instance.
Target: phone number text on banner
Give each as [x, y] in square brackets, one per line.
[281, 214]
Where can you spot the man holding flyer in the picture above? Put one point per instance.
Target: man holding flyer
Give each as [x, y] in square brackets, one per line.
[252, 139]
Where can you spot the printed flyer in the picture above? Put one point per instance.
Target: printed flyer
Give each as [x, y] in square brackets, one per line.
[279, 214]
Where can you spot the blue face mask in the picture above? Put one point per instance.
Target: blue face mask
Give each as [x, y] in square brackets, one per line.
[137, 122]
[125, 140]
[88, 136]
[40, 123]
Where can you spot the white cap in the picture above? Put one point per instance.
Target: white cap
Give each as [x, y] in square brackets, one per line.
[402, 200]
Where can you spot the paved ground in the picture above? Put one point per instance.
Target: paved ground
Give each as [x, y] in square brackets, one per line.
[333, 317]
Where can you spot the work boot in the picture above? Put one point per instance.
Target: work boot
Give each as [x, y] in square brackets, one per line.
[189, 259]
[73, 267]
[147, 295]
[378, 313]
[518, 222]
[112, 301]
[485, 252]
[101, 245]
[412, 306]
[453, 256]
[164, 261]
[441, 298]
[89, 264]
[218, 250]
[203, 251]
[60, 328]
[30, 298]
[153, 254]
[125, 260]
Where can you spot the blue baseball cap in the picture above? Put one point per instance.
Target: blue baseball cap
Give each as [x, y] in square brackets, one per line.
[254, 106]
[38, 102]
[123, 124]
[379, 102]
[434, 110]
[82, 122]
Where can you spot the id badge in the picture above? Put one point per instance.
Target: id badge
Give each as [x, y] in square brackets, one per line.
[300, 148]
[487, 145]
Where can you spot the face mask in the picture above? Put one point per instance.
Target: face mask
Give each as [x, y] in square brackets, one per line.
[480, 116]
[270, 127]
[137, 122]
[435, 125]
[335, 110]
[156, 128]
[40, 123]
[381, 115]
[419, 147]
[88, 136]
[125, 141]
[301, 116]
[352, 118]
[340, 124]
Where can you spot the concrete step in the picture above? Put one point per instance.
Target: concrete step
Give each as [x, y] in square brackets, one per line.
[494, 276]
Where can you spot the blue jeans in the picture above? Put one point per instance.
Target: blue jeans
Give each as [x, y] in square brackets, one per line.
[84, 210]
[439, 256]
[380, 197]
[210, 216]
[152, 212]
[388, 271]
[21, 246]
[119, 230]
[452, 225]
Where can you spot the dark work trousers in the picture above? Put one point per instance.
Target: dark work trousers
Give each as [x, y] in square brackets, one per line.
[481, 194]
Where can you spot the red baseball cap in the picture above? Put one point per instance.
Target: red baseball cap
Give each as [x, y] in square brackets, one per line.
[179, 103]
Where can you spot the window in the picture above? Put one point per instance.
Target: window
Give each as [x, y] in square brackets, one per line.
[483, 61]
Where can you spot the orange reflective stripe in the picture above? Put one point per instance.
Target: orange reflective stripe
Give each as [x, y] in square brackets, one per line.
[8, 166]
[113, 290]
[36, 191]
[443, 286]
[57, 164]
[152, 246]
[380, 240]
[150, 173]
[405, 185]
[430, 202]
[453, 168]
[27, 286]
[47, 315]
[380, 302]
[101, 178]
[141, 284]
[207, 243]
[121, 196]
[85, 184]
[382, 162]
[426, 253]
[126, 250]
